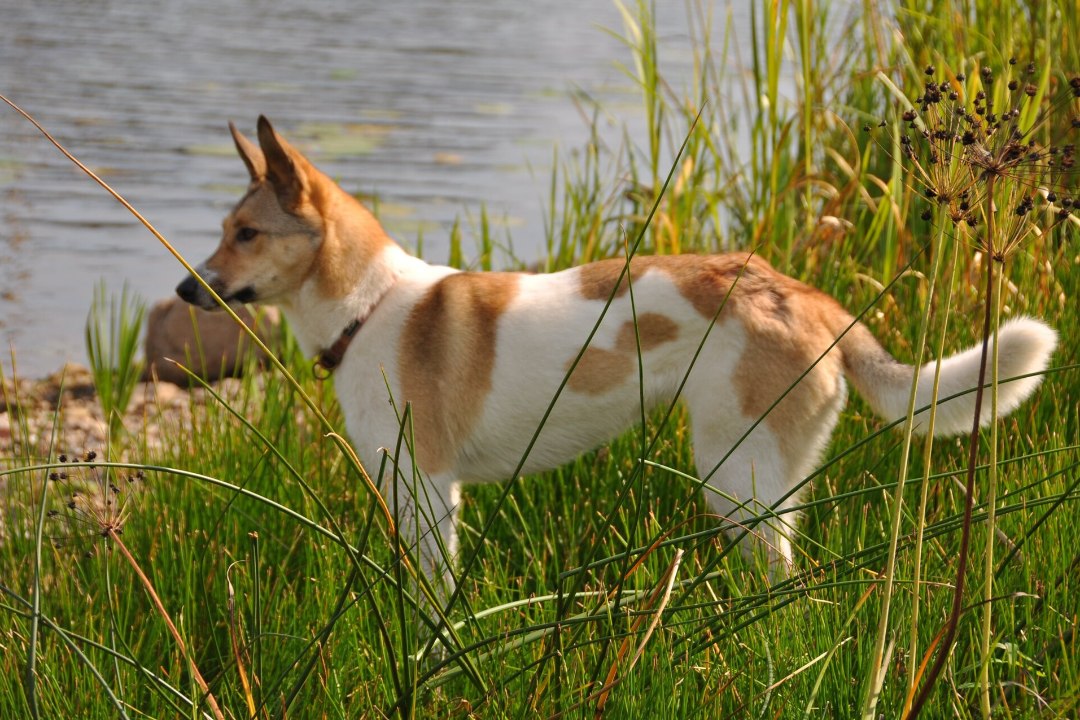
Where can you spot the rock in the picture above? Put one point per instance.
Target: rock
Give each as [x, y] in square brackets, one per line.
[209, 343]
[156, 396]
[83, 428]
[71, 382]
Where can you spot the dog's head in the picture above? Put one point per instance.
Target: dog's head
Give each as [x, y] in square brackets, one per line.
[271, 239]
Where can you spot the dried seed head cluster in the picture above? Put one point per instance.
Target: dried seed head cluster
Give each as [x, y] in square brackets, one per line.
[93, 501]
[979, 146]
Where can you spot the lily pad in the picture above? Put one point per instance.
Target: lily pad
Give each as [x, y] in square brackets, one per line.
[225, 188]
[9, 170]
[211, 149]
[343, 74]
[497, 109]
[343, 140]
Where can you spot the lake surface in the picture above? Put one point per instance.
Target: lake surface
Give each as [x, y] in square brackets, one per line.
[438, 109]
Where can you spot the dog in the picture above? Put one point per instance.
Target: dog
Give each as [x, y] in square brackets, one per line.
[760, 359]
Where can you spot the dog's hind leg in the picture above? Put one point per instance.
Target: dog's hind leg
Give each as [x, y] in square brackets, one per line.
[745, 488]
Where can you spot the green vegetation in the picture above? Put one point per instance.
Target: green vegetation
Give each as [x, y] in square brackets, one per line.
[605, 586]
[112, 345]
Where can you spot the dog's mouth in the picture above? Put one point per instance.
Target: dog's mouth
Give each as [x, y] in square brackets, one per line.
[243, 295]
[191, 291]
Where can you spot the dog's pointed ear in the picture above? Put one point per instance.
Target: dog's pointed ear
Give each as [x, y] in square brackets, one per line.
[285, 167]
[249, 153]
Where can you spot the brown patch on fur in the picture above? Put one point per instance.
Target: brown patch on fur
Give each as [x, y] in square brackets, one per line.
[788, 327]
[653, 330]
[600, 370]
[707, 282]
[350, 244]
[704, 280]
[447, 353]
[597, 280]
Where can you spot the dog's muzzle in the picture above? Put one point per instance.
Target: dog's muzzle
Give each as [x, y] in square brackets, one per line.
[191, 291]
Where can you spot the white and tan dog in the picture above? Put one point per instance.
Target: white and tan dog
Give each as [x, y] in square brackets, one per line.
[480, 355]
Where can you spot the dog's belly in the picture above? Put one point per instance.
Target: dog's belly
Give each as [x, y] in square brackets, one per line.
[575, 425]
[588, 415]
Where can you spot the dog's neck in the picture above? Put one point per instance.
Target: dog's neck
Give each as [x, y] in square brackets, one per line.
[355, 266]
[318, 320]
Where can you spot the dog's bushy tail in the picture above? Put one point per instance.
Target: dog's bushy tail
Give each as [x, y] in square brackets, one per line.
[1025, 346]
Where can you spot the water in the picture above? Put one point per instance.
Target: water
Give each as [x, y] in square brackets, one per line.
[439, 109]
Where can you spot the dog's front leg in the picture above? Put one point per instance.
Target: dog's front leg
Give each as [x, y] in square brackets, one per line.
[425, 510]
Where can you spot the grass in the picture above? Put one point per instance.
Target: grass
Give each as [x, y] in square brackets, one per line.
[605, 587]
[111, 346]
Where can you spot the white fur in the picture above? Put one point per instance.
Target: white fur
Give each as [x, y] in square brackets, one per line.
[1024, 347]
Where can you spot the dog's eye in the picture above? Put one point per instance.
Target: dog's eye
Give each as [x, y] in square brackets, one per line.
[245, 234]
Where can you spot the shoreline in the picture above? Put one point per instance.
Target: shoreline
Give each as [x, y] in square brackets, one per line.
[29, 409]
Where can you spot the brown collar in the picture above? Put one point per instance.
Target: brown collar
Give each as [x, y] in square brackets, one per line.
[328, 360]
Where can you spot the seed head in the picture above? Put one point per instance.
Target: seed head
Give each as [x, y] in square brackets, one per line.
[94, 503]
[960, 151]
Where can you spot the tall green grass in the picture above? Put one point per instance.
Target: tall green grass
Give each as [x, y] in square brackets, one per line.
[605, 586]
[113, 328]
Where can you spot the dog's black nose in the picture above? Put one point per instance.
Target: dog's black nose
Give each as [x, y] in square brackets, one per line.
[188, 289]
